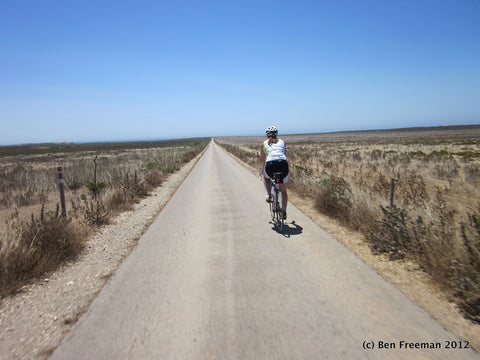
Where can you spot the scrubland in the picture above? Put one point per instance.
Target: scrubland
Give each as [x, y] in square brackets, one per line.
[34, 237]
[434, 219]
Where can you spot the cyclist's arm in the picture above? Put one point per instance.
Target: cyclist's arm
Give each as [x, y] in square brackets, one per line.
[263, 157]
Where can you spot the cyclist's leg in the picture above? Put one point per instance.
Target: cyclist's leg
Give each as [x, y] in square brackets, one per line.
[267, 181]
[268, 185]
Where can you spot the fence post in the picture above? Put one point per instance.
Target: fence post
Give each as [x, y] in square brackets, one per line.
[61, 186]
[95, 178]
[392, 191]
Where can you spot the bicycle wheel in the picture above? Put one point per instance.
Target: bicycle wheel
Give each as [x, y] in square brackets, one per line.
[279, 213]
[272, 204]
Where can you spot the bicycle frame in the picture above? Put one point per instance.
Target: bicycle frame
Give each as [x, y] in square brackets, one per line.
[275, 191]
[276, 207]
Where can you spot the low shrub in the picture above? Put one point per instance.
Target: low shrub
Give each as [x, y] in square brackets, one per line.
[153, 178]
[468, 271]
[29, 249]
[433, 245]
[390, 234]
[472, 173]
[95, 188]
[333, 198]
[95, 213]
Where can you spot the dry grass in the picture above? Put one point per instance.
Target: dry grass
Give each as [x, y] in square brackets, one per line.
[30, 248]
[35, 240]
[435, 220]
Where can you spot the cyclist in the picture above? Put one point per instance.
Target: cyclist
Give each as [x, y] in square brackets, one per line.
[274, 159]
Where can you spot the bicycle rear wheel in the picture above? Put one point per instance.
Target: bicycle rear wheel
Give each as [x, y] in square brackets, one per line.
[273, 202]
[279, 213]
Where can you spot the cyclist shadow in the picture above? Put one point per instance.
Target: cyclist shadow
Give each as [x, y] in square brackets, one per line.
[289, 229]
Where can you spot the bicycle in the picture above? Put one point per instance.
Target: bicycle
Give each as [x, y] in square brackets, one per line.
[276, 205]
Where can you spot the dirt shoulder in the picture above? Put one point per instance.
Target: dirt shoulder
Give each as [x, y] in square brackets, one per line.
[404, 275]
[33, 322]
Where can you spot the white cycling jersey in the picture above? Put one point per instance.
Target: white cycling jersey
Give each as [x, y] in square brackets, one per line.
[274, 151]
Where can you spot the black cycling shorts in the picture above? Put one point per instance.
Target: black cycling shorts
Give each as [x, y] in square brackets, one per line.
[275, 166]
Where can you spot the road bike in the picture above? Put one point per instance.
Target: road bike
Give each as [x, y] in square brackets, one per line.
[276, 205]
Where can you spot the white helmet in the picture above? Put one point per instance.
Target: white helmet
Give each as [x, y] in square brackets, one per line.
[271, 131]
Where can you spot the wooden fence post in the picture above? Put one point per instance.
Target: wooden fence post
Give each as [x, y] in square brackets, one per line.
[61, 186]
[95, 178]
[392, 191]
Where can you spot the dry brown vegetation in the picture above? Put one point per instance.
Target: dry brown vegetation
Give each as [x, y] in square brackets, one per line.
[435, 217]
[35, 238]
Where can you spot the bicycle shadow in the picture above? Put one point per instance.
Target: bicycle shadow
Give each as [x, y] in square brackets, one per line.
[289, 229]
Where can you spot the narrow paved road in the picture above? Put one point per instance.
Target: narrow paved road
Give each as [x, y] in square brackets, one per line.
[212, 279]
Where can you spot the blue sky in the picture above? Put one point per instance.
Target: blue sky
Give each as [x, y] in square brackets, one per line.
[123, 70]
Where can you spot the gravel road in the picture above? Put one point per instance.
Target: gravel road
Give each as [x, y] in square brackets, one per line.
[212, 279]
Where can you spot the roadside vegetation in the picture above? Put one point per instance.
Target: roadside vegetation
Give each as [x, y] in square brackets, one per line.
[34, 237]
[435, 217]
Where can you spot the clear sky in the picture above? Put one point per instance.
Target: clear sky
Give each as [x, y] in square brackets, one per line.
[84, 70]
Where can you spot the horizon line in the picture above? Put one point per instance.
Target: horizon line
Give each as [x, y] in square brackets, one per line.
[243, 135]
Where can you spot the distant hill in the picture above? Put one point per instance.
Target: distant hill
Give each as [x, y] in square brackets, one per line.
[434, 133]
